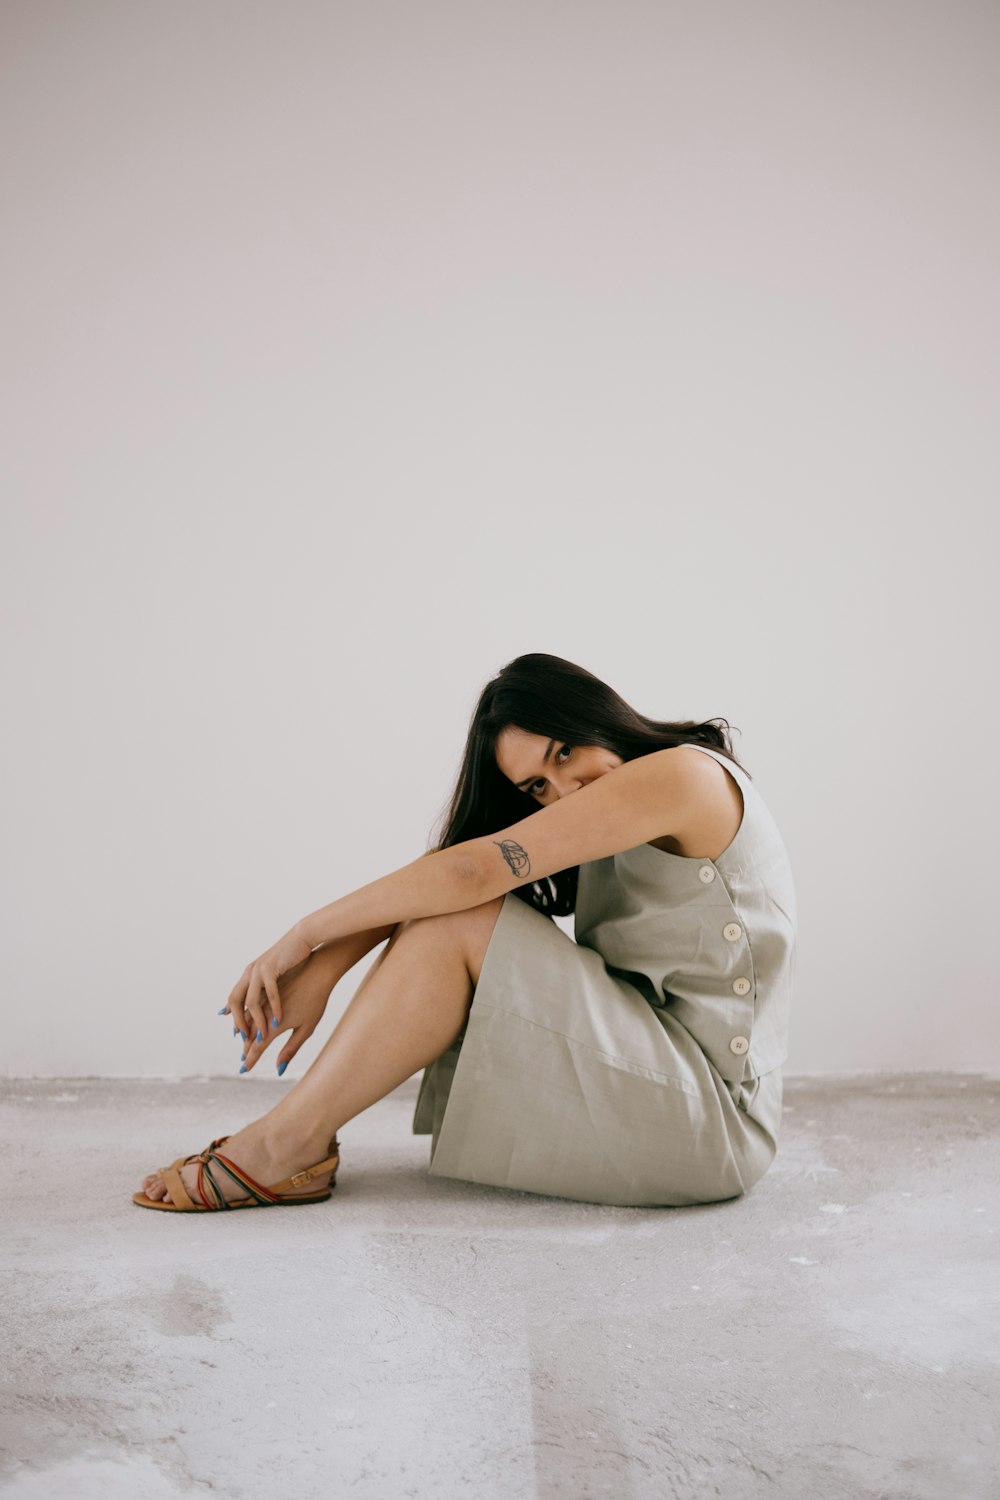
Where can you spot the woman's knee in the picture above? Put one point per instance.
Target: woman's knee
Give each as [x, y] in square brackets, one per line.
[470, 930]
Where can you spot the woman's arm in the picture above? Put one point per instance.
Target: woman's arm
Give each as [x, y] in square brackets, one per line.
[442, 881]
[343, 953]
[640, 800]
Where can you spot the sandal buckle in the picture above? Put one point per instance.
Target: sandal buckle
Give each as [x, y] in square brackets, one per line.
[300, 1178]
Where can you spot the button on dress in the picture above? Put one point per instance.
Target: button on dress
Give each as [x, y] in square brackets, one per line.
[640, 1064]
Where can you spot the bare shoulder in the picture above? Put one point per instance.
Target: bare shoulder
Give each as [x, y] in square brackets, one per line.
[710, 806]
[687, 765]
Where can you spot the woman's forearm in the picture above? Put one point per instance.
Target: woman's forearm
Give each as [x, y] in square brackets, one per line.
[343, 953]
[443, 881]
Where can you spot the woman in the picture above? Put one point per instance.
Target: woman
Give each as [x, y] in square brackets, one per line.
[638, 1065]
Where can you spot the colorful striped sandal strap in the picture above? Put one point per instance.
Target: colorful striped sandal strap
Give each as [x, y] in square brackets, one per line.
[212, 1158]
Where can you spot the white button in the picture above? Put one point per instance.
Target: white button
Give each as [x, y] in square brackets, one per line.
[707, 874]
[739, 1044]
[732, 931]
[741, 986]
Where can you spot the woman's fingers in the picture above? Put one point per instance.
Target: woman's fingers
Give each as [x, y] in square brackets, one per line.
[237, 999]
[241, 1023]
[273, 997]
[254, 1048]
[235, 1017]
[254, 1007]
[288, 1051]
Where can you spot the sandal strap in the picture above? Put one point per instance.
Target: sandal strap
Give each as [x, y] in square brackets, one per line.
[175, 1187]
[255, 1189]
[299, 1179]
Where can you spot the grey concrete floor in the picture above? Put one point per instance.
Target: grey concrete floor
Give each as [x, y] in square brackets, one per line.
[831, 1334]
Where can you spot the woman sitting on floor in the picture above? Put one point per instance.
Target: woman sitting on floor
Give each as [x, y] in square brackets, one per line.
[638, 1065]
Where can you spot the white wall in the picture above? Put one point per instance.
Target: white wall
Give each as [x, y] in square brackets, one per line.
[352, 349]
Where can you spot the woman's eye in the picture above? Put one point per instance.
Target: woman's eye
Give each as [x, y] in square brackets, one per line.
[535, 790]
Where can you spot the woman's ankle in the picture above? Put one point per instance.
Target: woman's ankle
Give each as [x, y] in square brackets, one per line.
[296, 1140]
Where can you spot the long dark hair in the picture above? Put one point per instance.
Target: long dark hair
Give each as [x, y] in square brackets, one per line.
[547, 695]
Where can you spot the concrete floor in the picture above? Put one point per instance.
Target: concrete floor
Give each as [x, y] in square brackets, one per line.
[832, 1334]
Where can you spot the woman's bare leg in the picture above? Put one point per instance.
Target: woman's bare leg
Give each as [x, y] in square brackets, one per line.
[409, 1008]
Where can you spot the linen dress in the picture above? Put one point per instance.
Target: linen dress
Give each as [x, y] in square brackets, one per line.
[641, 1064]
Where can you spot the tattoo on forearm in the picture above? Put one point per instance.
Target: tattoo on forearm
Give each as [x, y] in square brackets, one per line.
[515, 856]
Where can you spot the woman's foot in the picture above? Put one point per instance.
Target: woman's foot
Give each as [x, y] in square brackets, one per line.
[268, 1162]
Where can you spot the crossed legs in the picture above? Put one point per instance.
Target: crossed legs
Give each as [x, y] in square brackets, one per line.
[409, 1009]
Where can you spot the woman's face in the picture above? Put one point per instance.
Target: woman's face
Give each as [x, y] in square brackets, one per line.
[548, 769]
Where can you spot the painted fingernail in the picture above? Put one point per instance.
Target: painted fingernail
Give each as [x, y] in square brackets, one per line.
[236, 1031]
[260, 1036]
[224, 1011]
[281, 1068]
[243, 1035]
[274, 1022]
[244, 1068]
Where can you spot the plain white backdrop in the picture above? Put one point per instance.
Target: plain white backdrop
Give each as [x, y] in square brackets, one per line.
[351, 350]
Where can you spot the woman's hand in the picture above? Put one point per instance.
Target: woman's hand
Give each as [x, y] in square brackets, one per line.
[257, 986]
[304, 992]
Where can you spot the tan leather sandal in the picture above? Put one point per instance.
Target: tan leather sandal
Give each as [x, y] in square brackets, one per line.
[260, 1197]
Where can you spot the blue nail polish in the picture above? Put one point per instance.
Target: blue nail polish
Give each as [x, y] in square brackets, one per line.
[243, 1035]
[223, 1012]
[260, 1036]
[274, 1022]
[281, 1068]
[244, 1068]
[236, 1031]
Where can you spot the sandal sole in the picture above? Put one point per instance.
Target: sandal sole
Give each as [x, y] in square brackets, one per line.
[174, 1208]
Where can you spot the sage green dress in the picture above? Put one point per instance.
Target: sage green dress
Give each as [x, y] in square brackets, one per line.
[641, 1064]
